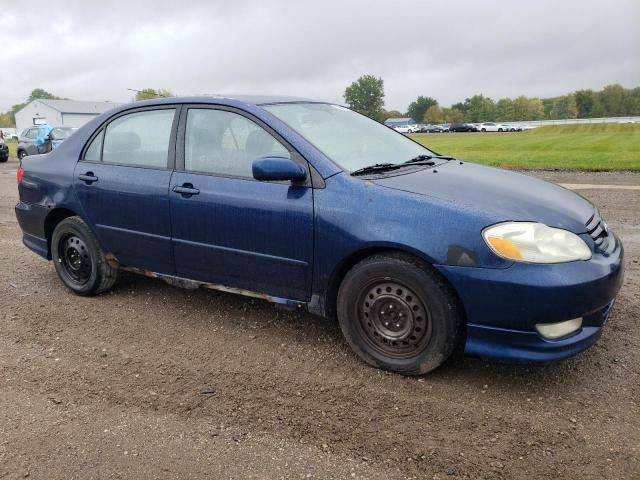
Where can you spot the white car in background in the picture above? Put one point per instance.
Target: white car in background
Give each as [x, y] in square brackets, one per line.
[406, 128]
[492, 127]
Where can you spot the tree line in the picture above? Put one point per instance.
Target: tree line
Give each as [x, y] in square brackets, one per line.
[366, 95]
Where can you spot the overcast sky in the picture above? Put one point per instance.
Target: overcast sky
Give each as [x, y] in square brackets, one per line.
[447, 50]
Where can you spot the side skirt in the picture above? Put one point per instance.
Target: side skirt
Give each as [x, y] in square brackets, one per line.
[180, 282]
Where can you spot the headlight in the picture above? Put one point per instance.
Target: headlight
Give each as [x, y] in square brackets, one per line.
[535, 243]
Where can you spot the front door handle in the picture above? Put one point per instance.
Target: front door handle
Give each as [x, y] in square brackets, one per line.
[88, 177]
[186, 189]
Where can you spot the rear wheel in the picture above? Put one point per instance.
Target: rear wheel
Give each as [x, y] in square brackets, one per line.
[22, 154]
[78, 260]
[398, 314]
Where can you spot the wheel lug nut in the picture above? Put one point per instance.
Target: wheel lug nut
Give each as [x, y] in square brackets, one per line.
[386, 324]
[397, 325]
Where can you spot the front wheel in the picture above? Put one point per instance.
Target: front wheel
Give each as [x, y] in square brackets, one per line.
[78, 260]
[22, 154]
[398, 314]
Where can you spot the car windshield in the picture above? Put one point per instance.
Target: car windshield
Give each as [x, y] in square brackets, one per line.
[62, 133]
[351, 140]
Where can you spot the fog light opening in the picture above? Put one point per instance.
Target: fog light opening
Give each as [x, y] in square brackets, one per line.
[554, 331]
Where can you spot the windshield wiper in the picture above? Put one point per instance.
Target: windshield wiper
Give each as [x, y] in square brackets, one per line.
[383, 167]
[423, 159]
[378, 167]
[419, 160]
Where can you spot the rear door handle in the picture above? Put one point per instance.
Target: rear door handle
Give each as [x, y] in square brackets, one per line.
[88, 177]
[186, 189]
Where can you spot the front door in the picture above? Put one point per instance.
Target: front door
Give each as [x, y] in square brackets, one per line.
[122, 182]
[30, 141]
[228, 228]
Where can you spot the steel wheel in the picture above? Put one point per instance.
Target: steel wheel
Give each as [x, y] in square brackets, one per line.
[73, 255]
[394, 320]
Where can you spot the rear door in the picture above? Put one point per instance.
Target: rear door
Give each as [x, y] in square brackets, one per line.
[122, 182]
[229, 228]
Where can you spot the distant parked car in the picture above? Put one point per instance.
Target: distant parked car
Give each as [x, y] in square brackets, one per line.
[430, 129]
[402, 125]
[41, 139]
[9, 133]
[492, 127]
[4, 151]
[445, 127]
[462, 127]
[406, 128]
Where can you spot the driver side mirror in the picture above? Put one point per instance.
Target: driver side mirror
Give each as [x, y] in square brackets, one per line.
[278, 168]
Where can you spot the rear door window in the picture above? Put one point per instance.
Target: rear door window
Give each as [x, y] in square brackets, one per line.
[139, 139]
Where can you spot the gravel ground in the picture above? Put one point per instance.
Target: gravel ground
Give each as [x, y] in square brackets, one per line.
[150, 381]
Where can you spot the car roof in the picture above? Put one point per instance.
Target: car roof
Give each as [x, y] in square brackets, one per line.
[256, 100]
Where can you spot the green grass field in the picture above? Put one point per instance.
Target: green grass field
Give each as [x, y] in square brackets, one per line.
[13, 147]
[597, 147]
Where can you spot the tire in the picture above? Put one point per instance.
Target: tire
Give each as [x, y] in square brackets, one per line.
[78, 260]
[483, 130]
[22, 154]
[499, 129]
[398, 314]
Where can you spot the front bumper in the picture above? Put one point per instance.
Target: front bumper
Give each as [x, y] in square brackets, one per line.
[529, 347]
[503, 306]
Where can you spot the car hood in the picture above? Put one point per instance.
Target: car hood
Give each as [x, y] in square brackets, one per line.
[501, 193]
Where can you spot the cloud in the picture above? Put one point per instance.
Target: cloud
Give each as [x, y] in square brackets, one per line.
[95, 51]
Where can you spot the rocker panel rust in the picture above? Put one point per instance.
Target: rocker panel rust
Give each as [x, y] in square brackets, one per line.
[189, 284]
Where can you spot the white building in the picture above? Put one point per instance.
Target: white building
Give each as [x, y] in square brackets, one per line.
[57, 113]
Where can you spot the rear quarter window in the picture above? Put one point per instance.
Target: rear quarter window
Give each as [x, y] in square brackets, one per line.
[94, 151]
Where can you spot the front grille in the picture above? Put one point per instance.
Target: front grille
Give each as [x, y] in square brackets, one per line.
[599, 231]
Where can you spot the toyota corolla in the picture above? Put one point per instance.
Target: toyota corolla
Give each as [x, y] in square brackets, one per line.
[310, 205]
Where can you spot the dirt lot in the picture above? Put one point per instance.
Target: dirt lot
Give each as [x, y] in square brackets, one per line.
[150, 381]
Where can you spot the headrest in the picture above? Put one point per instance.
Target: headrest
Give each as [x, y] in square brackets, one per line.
[121, 142]
[259, 143]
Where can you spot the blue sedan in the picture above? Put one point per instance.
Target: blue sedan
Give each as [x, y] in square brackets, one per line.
[310, 205]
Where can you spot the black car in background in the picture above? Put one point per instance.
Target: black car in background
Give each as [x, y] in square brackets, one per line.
[462, 127]
[4, 152]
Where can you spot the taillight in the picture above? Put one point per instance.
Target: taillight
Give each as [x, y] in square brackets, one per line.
[20, 175]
